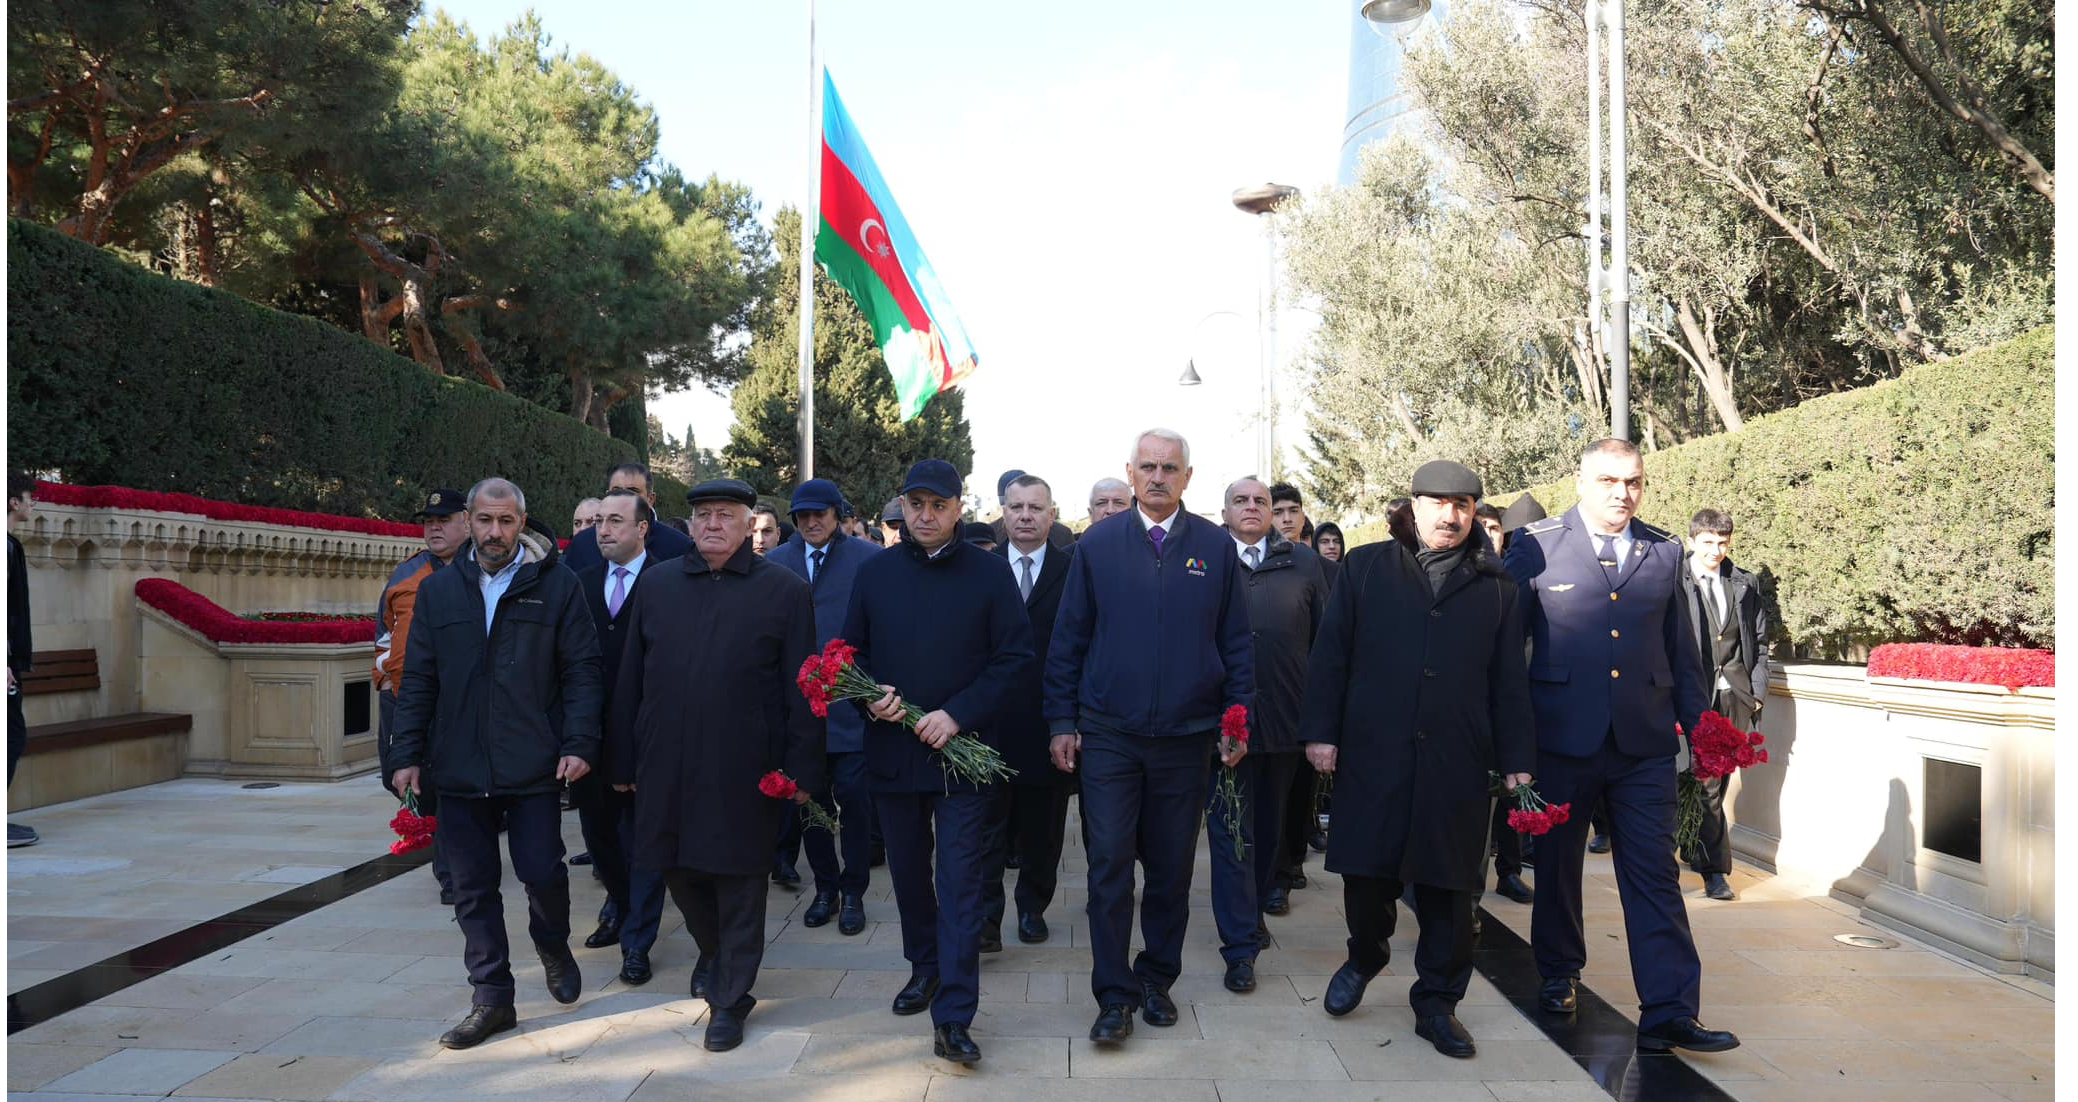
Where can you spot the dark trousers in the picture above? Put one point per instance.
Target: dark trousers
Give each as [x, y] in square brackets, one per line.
[1239, 883]
[1300, 820]
[727, 917]
[385, 716]
[940, 908]
[634, 895]
[849, 797]
[1506, 845]
[1142, 799]
[786, 849]
[1713, 852]
[1032, 822]
[534, 837]
[1638, 797]
[1277, 788]
[17, 731]
[1442, 950]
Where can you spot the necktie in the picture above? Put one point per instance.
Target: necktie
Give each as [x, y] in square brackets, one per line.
[1716, 600]
[815, 565]
[1024, 576]
[620, 591]
[1157, 535]
[1255, 557]
[1605, 552]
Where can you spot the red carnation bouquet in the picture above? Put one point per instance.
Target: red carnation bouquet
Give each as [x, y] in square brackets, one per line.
[1233, 732]
[834, 674]
[1531, 814]
[1716, 749]
[779, 786]
[414, 831]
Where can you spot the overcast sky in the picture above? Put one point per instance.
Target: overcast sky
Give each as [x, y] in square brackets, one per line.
[1067, 167]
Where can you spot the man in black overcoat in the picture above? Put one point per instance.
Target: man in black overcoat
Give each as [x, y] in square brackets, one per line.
[1416, 691]
[703, 707]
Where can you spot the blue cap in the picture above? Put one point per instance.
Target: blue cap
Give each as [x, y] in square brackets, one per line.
[934, 476]
[814, 494]
[1004, 480]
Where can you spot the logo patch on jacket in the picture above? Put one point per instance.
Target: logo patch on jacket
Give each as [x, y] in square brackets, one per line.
[1196, 566]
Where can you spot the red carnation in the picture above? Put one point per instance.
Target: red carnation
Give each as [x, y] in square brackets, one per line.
[778, 785]
[1233, 725]
[1558, 813]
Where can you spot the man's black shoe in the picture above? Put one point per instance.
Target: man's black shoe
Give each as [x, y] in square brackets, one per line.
[703, 976]
[634, 967]
[1717, 887]
[991, 939]
[1012, 861]
[1277, 901]
[724, 1031]
[1598, 844]
[584, 858]
[447, 897]
[1345, 990]
[1297, 880]
[609, 931]
[1686, 1033]
[1156, 1007]
[1240, 977]
[1114, 1024]
[851, 917]
[1318, 841]
[1447, 1034]
[482, 1022]
[915, 998]
[1511, 887]
[950, 1042]
[19, 835]
[564, 980]
[787, 877]
[1558, 996]
[819, 911]
[1031, 928]
[1262, 935]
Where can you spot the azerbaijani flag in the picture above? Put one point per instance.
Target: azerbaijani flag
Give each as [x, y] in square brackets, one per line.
[865, 245]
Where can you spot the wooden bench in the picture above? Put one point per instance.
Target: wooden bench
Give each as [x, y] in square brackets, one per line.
[62, 671]
[49, 738]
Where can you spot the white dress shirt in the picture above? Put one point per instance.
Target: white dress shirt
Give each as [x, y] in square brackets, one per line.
[633, 567]
[1262, 550]
[1167, 526]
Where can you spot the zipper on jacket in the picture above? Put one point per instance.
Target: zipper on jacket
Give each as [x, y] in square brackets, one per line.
[1154, 703]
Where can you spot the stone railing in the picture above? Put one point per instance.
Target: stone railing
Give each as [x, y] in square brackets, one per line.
[1931, 805]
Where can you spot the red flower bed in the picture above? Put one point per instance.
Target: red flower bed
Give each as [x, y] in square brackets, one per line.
[218, 626]
[118, 497]
[2009, 666]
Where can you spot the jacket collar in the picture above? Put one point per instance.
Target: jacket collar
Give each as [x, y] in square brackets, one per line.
[738, 563]
[1481, 556]
[957, 547]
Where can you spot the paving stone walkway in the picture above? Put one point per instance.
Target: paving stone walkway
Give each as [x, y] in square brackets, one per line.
[346, 1002]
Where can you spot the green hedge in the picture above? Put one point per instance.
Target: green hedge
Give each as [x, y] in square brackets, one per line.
[1919, 509]
[121, 376]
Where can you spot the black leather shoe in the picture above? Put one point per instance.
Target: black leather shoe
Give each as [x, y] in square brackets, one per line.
[1558, 996]
[1717, 887]
[1686, 1033]
[1277, 901]
[1345, 990]
[582, 859]
[991, 939]
[950, 1042]
[851, 916]
[819, 911]
[724, 1031]
[787, 877]
[482, 1022]
[564, 980]
[703, 977]
[1447, 1034]
[1031, 928]
[1240, 977]
[1156, 1007]
[1114, 1025]
[1297, 880]
[1598, 844]
[447, 897]
[1262, 935]
[916, 997]
[1511, 887]
[609, 931]
[634, 967]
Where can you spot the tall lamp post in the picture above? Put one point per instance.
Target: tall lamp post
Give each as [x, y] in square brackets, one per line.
[1262, 199]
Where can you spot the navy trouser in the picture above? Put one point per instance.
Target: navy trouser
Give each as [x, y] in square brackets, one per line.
[1639, 797]
[726, 915]
[636, 895]
[941, 908]
[1142, 799]
[1030, 820]
[853, 806]
[1277, 794]
[1239, 884]
[534, 837]
[1442, 948]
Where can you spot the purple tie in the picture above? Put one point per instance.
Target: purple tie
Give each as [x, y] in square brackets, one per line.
[620, 592]
[1157, 535]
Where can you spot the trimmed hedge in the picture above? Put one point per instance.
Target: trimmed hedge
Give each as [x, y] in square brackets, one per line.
[121, 376]
[1920, 509]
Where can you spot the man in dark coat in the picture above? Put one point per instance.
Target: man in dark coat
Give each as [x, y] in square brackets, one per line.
[938, 622]
[1287, 595]
[1031, 813]
[704, 707]
[1416, 693]
[634, 908]
[1614, 667]
[1058, 535]
[821, 553]
[1150, 649]
[21, 494]
[663, 541]
[499, 710]
[1731, 621]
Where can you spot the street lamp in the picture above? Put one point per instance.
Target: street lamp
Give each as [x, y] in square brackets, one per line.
[1388, 12]
[1190, 375]
[1262, 199]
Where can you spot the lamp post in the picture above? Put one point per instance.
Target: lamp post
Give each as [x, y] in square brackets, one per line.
[1262, 199]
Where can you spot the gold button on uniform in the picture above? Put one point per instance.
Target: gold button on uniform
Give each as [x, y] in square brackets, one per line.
[1612, 596]
[1614, 673]
[1615, 634]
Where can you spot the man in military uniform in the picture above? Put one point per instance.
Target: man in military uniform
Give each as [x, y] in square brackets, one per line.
[1613, 668]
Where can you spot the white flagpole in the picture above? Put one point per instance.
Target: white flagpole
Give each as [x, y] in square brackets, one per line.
[810, 216]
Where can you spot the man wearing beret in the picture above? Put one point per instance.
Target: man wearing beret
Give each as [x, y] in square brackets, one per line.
[829, 560]
[1415, 692]
[938, 621]
[704, 707]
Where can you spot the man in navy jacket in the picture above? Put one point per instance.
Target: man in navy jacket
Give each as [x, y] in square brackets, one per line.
[1150, 647]
[830, 560]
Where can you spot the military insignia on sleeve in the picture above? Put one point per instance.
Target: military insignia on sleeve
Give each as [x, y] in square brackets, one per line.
[1561, 588]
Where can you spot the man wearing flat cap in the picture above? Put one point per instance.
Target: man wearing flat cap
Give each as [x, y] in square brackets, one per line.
[829, 560]
[891, 523]
[1416, 689]
[705, 706]
[938, 620]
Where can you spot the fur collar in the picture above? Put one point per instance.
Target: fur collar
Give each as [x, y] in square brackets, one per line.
[1400, 525]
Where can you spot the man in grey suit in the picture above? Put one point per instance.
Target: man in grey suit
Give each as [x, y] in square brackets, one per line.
[1731, 621]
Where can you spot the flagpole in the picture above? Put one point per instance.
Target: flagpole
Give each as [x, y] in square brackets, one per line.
[810, 216]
